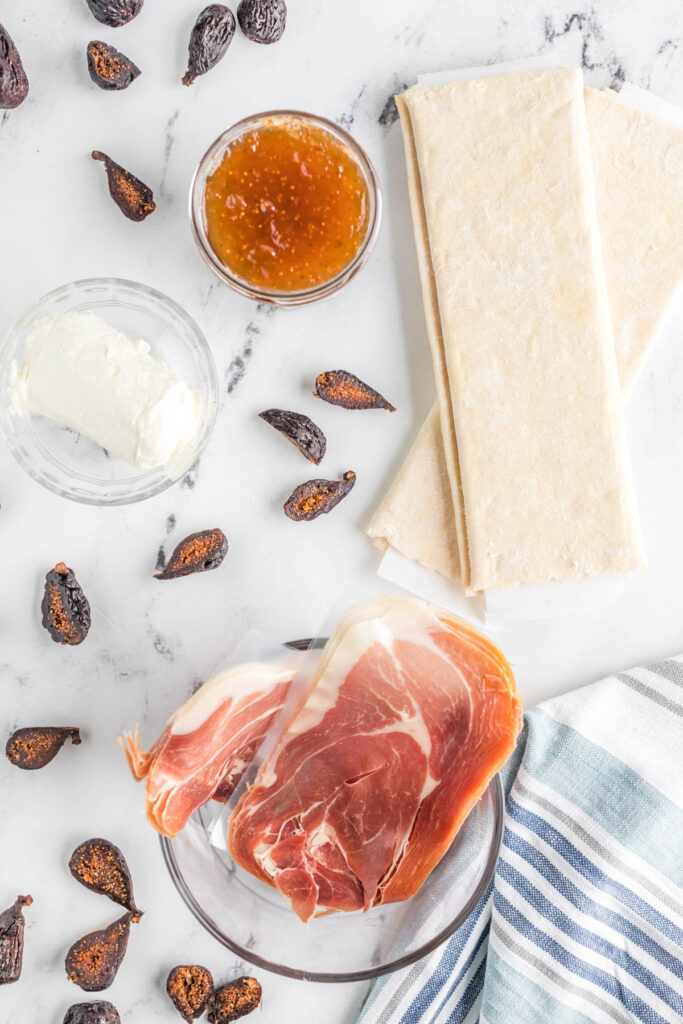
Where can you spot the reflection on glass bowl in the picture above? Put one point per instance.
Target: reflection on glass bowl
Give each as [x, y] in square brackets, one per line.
[256, 923]
[68, 463]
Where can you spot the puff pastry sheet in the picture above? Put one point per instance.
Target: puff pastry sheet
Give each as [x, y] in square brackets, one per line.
[530, 409]
[637, 161]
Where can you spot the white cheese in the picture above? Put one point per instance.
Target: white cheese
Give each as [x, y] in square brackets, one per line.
[81, 372]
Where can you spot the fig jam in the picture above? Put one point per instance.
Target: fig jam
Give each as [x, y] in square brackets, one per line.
[287, 207]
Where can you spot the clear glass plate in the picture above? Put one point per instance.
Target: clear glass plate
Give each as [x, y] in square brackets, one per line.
[68, 463]
[256, 923]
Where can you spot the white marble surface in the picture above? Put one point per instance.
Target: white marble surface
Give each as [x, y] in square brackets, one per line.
[151, 643]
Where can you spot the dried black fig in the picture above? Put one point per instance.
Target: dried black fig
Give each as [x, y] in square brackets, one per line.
[13, 80]
[65, 608]
[92, 962]
[101, 867]
[300, 430]
[338, 387]
[115, 13]
[100, 1012]
[262, 21]
[209, 40]
[132, 196]
[35, 747]
[109, 68]
[315, 497]
[190, 988]
[197, 553]
[12, 940]
[235, 1000]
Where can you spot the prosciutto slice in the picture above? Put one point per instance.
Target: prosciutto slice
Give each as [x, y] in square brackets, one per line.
[208, 743]
[410, 715]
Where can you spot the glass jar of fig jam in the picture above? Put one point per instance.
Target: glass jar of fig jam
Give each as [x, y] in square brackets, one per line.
[285, 207]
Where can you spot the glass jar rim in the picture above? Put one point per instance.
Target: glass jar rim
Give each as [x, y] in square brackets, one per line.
[197, 214]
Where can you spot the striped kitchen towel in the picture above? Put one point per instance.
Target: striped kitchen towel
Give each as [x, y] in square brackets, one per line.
[583, 922]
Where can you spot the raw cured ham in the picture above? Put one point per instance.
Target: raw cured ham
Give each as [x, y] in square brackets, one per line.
[410, 715]
[208, 743]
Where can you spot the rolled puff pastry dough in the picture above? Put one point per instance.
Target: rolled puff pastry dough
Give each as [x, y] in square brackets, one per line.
[523, 352]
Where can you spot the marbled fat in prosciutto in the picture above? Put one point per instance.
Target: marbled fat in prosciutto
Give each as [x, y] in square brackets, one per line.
[208, 743]
[411, 714]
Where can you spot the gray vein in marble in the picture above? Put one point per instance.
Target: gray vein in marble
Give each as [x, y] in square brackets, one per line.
[596, 55]
[665, 54]
[160, 646]
[189, 481]
[168, 146]
[348, 117]
[670, 48]
[238, 365]
[413, 36]
[161, 554]
[266, 309]
[389, 112]
[207, 291]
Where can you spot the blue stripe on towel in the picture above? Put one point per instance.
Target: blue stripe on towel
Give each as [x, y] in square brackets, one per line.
[561, 845]
[464, 1003]
[582, 902]
[574, 964]
[449, 961]
[590, 940]
[470, 995]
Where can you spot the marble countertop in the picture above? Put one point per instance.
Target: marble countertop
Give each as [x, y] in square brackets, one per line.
[151, 644]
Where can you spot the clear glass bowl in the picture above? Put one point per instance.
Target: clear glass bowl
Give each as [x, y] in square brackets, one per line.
[257, 924]
[68, 463]
[213, 157]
